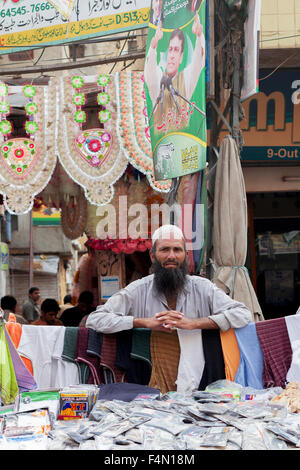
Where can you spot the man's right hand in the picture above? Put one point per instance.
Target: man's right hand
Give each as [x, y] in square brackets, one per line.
[197, 26]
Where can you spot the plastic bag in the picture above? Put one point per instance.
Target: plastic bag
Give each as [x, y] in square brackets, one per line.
[170, 423]
[253, 438]
[159, 439]
[215, 437]
[225, 388]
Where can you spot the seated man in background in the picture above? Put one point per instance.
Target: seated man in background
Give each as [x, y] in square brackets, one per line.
[73, 316]
[49, 310]
[67, 304]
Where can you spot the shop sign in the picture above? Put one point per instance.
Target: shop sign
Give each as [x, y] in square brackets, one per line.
[174, 77]
[27, 24]
[4, 256]
[45, 215]
[271, 126]
[42, 264]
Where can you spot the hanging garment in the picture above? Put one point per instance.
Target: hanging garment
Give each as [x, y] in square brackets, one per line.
[214, 368]
[82, 356]
[165, 355]
[69, 353]
[15, 332]
[8, 381]
[231, 353]
[250, 369]
[277, 352]
[24, 378]
[140, 348]
[191, 362]
[64, 373]
[108, 360]
[94, 343]
[37, 343]
[293, 328]
[137, 371]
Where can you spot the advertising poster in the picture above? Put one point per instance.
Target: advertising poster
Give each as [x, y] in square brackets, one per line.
[175, 88]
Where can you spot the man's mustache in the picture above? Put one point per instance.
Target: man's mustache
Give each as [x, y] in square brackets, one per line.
[170, 262]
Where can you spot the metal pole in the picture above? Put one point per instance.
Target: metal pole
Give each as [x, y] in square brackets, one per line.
[30, 252]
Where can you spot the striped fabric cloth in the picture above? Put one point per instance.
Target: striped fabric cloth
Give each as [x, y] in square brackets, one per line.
[108, 357]
[94, 345]
[277, 352]
[165, 355]
[82, 356]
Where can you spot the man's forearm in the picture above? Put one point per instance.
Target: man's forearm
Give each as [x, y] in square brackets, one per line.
[204, 324]
[140, 323]
[108, 322]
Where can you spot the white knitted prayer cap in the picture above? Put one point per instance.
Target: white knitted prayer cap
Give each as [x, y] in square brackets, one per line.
[164, 233]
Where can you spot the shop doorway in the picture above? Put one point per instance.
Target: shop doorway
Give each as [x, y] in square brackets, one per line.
[274, 251]
[137, 265]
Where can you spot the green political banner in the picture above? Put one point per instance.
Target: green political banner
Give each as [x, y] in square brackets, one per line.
[174, 78]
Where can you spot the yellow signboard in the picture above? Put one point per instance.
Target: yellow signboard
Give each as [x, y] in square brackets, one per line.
[27, 24]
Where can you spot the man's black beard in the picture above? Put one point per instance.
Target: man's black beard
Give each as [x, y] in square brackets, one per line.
[169, 280]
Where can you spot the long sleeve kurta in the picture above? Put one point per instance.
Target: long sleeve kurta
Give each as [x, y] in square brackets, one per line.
[140, 299]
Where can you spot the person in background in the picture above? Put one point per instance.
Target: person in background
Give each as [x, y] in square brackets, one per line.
[67, 304]
[31, 309]
[9, 305]
[73, 316]
[49, 310]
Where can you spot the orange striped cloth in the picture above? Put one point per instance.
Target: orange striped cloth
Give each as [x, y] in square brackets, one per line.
[231, 353]
[165, 355]
[14, 330]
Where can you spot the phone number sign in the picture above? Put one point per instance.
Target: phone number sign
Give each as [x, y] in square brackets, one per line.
[28, 24]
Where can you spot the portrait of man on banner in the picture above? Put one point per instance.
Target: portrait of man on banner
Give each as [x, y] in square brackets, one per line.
[172, 111]
[175, 82]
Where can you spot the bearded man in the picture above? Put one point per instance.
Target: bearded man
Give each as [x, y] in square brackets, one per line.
[169, 297]
[170, 301]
